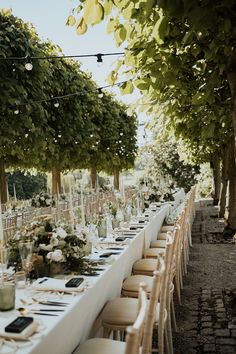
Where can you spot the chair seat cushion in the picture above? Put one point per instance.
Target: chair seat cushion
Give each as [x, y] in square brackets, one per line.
[167, 228]
[101, 346]
[145, 266]
[158, 244]
[121, 311]
[153, 252]
[162, 236]
[131, 285]
[125, 315]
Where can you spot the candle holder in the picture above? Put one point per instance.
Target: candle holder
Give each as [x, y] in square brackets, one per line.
[26, 253]
[7, 296]
[7, 290]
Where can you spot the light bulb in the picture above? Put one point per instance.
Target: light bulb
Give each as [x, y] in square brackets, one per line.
[99, 60]
[29, 66]
[16, 111]
[121, 134]
[56, 104]
[100, 93]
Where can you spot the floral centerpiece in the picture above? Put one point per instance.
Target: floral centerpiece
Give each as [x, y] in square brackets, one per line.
[55, 246]
[42, 199]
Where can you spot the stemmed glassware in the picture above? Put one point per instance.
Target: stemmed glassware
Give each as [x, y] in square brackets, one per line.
[3, 261]
[26, 253]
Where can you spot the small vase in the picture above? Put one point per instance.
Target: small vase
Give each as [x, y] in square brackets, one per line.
[56, 268]
[87, 248]
[102, 229]
[115, 224]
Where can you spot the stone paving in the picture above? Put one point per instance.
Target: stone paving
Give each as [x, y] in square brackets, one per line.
[206, 318]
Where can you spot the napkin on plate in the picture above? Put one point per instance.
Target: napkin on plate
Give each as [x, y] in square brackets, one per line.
[52, 284]
[24, 335]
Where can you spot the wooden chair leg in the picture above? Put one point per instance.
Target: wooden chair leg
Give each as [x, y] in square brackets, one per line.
[166, 341]
[173, 318]
[177, 287]
[169, 334]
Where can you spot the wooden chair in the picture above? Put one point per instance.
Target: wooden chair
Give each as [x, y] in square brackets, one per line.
[133, 338]
[121, 312]
[9, 227]
[113, 323]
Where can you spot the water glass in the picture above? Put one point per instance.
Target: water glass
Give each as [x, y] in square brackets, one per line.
[26, 253]
[7, 296]
[20, 279]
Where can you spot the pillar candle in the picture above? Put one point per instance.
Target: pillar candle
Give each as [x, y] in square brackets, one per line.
[82, 206]
[71, 208]
[14, 190]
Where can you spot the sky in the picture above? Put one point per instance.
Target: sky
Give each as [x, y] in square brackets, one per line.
[49, 18]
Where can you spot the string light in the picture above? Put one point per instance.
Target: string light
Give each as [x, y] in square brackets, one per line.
[100, 93]
[28, 64]
[99, 60]
[57, 98]
[29, 59]
[16, 111]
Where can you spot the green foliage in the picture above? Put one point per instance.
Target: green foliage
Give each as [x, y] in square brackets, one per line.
[168, 162]
[182, 64]
[26, 185]
[204, 181]
[82, 131]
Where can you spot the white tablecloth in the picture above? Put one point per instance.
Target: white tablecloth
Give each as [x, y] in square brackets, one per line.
[80, 321]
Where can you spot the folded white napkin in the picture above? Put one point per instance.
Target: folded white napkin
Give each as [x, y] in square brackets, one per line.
[24, 335]
[52, 284]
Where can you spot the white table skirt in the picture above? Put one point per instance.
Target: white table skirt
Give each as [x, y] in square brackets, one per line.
[81, 318]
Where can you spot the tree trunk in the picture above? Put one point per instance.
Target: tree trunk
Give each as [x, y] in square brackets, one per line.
[56, 181]
[3, 183]
[224, 181]
[116, 178]
[231, 76]
[216, 179]
[232, 185]
[93, 175]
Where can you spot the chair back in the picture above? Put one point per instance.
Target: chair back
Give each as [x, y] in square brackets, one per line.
[151, 314]
[135, 332]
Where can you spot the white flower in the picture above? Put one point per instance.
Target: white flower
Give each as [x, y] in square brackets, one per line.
[42, 198]
[56, 256]
[48, 201]
[61, 232]
[44, 247]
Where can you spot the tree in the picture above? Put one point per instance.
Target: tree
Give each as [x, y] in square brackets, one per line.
[168, 161]
[171, 44]
[26, 185]
[22, 127]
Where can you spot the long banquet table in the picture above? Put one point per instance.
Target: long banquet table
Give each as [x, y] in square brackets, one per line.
[62, 334]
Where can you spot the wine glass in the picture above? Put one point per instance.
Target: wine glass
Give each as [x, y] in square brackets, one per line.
[3, 261]
[26, 252]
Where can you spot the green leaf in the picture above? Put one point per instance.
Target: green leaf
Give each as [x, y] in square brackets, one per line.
[120, 35]
[93, 12]
[141, 84]
[107, 7]
[127, 13]
[112, 24]
[81, 27]
[127, 88]
[161, 29]
[71, 21]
